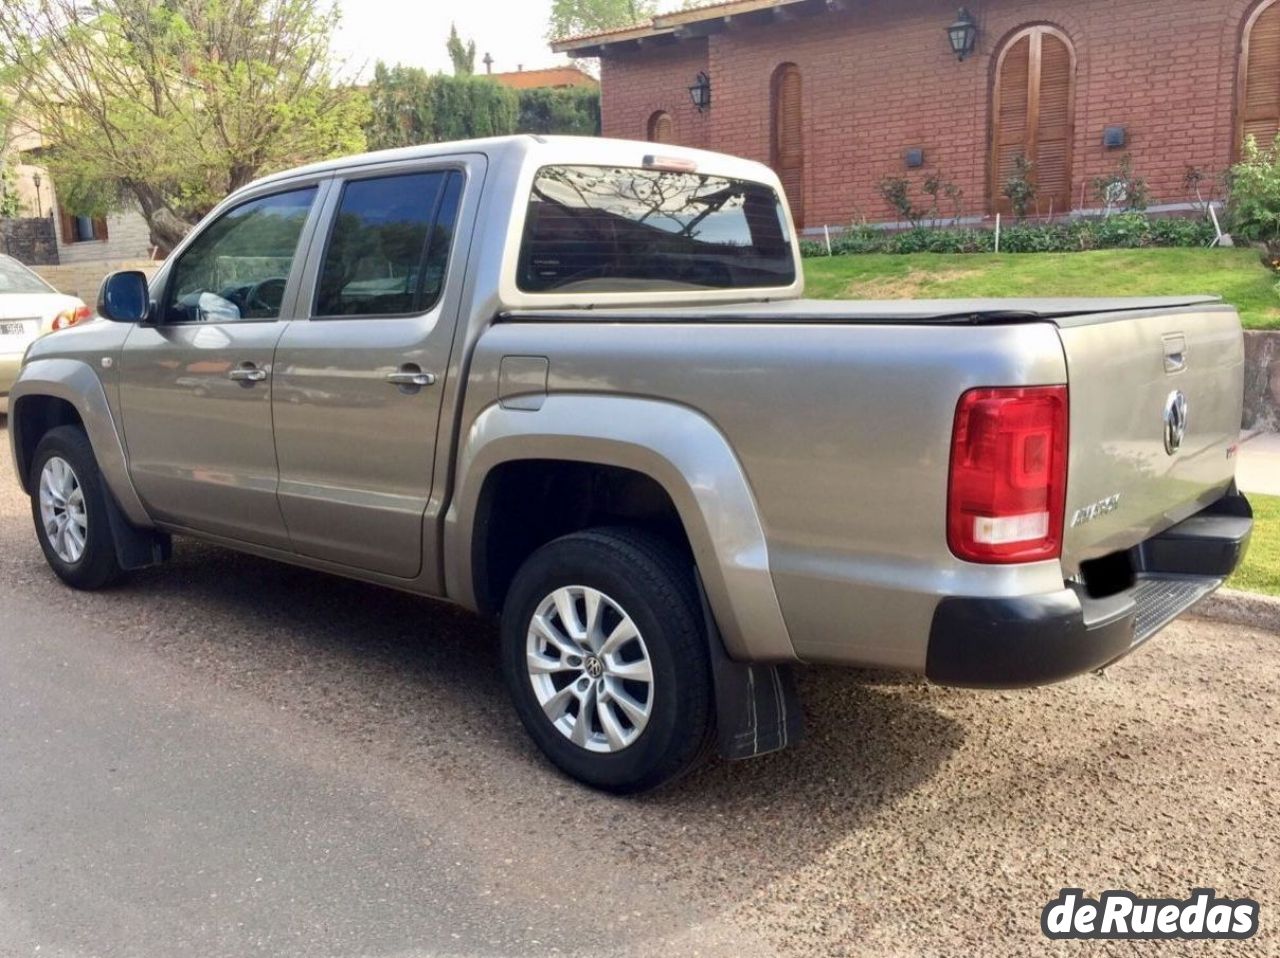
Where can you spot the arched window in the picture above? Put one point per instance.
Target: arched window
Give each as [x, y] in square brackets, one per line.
[1033, 116]
[788, 136]
[1258, 97]
[660, 129]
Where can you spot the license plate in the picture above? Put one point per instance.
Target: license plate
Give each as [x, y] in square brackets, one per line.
[13, 329]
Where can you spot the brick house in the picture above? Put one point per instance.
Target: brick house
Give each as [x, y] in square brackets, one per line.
[839, 94]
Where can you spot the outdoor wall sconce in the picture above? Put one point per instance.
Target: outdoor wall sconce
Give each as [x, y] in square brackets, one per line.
[700, 92]
[963, 34]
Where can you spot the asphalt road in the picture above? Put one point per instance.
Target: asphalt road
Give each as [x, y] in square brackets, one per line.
[226, 756]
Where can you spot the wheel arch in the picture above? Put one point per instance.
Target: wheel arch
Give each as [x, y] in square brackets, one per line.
[57, 392]
[659, 445]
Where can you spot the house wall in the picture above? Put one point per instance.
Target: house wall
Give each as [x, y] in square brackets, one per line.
[635, 86]
[879, 79]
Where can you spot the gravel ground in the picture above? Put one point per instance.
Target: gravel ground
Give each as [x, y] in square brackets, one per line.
[913, 821]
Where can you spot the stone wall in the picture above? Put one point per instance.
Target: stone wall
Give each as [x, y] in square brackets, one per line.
[83, 279]
[30, 240]
[1262, 380]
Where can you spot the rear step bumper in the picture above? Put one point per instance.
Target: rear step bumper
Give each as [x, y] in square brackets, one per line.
[1035, 640]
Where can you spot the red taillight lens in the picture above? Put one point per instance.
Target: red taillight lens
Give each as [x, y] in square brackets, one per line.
[1008, 475]
[71, 317]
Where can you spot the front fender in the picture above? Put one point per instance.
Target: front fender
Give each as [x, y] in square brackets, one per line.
[675, 446]
[75, 382]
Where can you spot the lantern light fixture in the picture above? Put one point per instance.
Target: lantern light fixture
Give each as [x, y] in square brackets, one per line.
[700, 91]
[963, 34]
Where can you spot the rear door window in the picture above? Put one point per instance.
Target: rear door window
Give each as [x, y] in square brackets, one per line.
[616, 229]
[389, 245]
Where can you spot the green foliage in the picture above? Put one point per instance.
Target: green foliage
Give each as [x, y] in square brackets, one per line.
[572, 111]
[173, 104]
[410, 106]
[10, 204]
[1254, 193]
[1020, 188]
[462, 55]
[1121, 189]
[571, 18]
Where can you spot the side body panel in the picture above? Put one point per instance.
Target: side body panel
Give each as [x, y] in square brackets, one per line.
[842, 435]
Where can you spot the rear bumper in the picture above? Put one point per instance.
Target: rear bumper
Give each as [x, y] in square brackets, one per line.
[1036, 640]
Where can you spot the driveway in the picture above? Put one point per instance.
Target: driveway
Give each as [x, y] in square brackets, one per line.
[230, 757]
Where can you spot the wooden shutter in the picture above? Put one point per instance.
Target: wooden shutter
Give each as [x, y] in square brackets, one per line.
[788, 136]
[1033, 117]
[660, 128]
[67, 224]
[99, 227]
[1260, 75]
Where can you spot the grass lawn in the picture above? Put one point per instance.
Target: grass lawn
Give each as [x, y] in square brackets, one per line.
[1237, 275]
[1261, 569]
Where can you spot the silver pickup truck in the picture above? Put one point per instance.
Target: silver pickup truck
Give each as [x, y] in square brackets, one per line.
[574, 383]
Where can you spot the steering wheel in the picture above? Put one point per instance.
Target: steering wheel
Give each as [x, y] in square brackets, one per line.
[265, 298]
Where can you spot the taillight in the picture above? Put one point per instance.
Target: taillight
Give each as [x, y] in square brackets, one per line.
[71, 317]
[1008, 485]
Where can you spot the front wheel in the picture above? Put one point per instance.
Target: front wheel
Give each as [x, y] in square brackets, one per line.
[69, 506]
[605, 655]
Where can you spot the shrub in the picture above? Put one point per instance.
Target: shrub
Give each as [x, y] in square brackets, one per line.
[1254, 193]
[1020, 187]
[1122, 190]
[1121, 231]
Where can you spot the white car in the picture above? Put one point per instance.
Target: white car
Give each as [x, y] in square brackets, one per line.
[29, 308]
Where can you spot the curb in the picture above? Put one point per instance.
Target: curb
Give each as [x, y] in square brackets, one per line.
[1241, 608]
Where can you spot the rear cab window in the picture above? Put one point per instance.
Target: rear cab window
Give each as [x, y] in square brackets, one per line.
[604, 229]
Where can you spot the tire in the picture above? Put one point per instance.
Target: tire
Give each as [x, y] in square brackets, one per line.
[641, 578]
[94, 564]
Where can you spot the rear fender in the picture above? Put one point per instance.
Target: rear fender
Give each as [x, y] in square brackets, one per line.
[675, 446]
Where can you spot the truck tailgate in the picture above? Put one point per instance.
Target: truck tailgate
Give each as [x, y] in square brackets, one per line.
[1155, 417]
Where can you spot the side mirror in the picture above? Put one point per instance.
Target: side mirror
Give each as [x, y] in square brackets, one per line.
[124, 297]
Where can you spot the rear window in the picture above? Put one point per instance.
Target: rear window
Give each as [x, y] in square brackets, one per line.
[16, 278]
[610, 229]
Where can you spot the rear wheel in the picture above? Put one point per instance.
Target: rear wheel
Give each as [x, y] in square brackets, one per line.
[605, 656]
[69, 507]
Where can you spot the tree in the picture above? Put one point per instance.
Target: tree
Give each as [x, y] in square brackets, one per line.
[410, 106]
[171, 104]
[574, 111]
[573, 17]
[462, 55]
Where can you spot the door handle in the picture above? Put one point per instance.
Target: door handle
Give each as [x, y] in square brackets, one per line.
[248, 373]
[411, 375]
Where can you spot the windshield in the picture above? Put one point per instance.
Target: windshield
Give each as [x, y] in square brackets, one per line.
[611, 229]
[16, 278]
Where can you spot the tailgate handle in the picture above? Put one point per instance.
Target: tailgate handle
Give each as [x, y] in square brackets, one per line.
[1175, 353]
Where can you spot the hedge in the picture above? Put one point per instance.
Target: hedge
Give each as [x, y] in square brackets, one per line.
[1122, 231]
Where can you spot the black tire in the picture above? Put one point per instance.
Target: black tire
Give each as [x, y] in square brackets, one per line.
[655, 586]
[98, 565]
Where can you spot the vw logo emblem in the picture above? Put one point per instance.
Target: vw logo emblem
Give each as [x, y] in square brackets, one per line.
[1175, 421]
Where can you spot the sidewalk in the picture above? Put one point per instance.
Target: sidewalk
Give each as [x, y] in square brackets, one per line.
[1258, 470]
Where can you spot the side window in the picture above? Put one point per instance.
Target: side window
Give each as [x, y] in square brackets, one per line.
[238, 268]
[389, 246]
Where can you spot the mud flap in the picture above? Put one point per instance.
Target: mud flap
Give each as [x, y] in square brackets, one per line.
[135, 548]
[757, 706]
